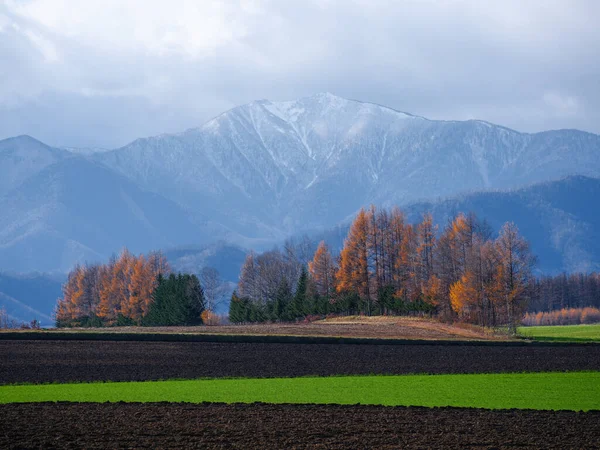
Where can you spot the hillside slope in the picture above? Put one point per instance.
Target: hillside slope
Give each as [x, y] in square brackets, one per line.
[557, 218]
[77, 210]
[268, 168]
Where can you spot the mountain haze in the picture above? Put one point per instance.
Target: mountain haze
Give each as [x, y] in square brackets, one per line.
[259, 173]
[77, 210]
[557, 218]
[267, 169]
[21, 158]
[28, 297]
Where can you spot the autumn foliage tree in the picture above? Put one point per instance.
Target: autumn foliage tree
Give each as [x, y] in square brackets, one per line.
[390, 266]
[116, 293]
[322, 270]
[354, 273]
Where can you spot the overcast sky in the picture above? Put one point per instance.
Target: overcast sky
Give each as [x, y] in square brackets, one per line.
[100, 73]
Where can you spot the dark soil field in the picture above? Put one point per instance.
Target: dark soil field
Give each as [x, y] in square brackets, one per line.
[51, 361]
[261, 426]
[169, 425]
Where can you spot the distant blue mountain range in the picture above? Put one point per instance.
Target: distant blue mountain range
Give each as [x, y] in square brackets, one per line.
[264, 171]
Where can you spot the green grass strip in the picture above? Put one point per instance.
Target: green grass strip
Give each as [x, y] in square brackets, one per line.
[575, 333]
[546, 391]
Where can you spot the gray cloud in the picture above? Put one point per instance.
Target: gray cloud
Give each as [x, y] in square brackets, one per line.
[101, 73]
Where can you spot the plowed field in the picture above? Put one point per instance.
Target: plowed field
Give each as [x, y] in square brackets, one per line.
[261, 426]
[173, 425]
[61, 361]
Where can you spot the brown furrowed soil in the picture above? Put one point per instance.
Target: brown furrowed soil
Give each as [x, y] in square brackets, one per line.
[261, 426]
[63, 361]
[353, 326]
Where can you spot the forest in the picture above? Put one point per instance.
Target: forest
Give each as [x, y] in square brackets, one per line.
[576, 290]
[387, 266]
[130, 290]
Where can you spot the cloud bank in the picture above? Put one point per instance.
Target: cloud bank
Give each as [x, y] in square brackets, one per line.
[100, 73]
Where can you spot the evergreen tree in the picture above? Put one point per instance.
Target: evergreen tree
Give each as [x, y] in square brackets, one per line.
[196, 302]
[300, 304]
[321, 305]
[158, 305]
[236, 309]
[177, 300]
[282, 302]
[385, 298]
[257, 312]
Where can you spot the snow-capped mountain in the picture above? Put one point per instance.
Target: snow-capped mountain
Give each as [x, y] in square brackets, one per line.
[263, 171]
[257, 174]
[266, 169]
[85, 150]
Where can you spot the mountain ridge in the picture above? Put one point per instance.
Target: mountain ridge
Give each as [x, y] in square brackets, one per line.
[263, 171]
[63, 215]
[293, 155]
[554, 216]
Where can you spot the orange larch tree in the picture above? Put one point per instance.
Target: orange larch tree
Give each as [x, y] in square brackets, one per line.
[109, 301]
[322, 271]
[122, 271]
[353, 274]
[464, 295]
[135, 305]
[123, 287]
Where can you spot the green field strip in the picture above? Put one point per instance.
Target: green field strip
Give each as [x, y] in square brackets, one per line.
[578, 391]
[566, 333]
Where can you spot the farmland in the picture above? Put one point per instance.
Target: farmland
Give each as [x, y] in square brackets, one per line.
[261, 426]
[577, 391]
[66, 361]
[384, 327]
[290, 380]
[581, 333]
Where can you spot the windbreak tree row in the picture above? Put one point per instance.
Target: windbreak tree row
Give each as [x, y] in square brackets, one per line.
[389, 266]
[129, 290]
[576, 290]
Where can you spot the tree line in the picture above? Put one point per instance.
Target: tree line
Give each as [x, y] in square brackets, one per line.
[390, 266]
[578, 290]
[129, 290]
[7, 322]
[565, 316]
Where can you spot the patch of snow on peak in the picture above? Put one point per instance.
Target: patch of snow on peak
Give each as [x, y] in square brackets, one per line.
[211, 125]
[291, 110]
[331, 102]
[357, 127]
